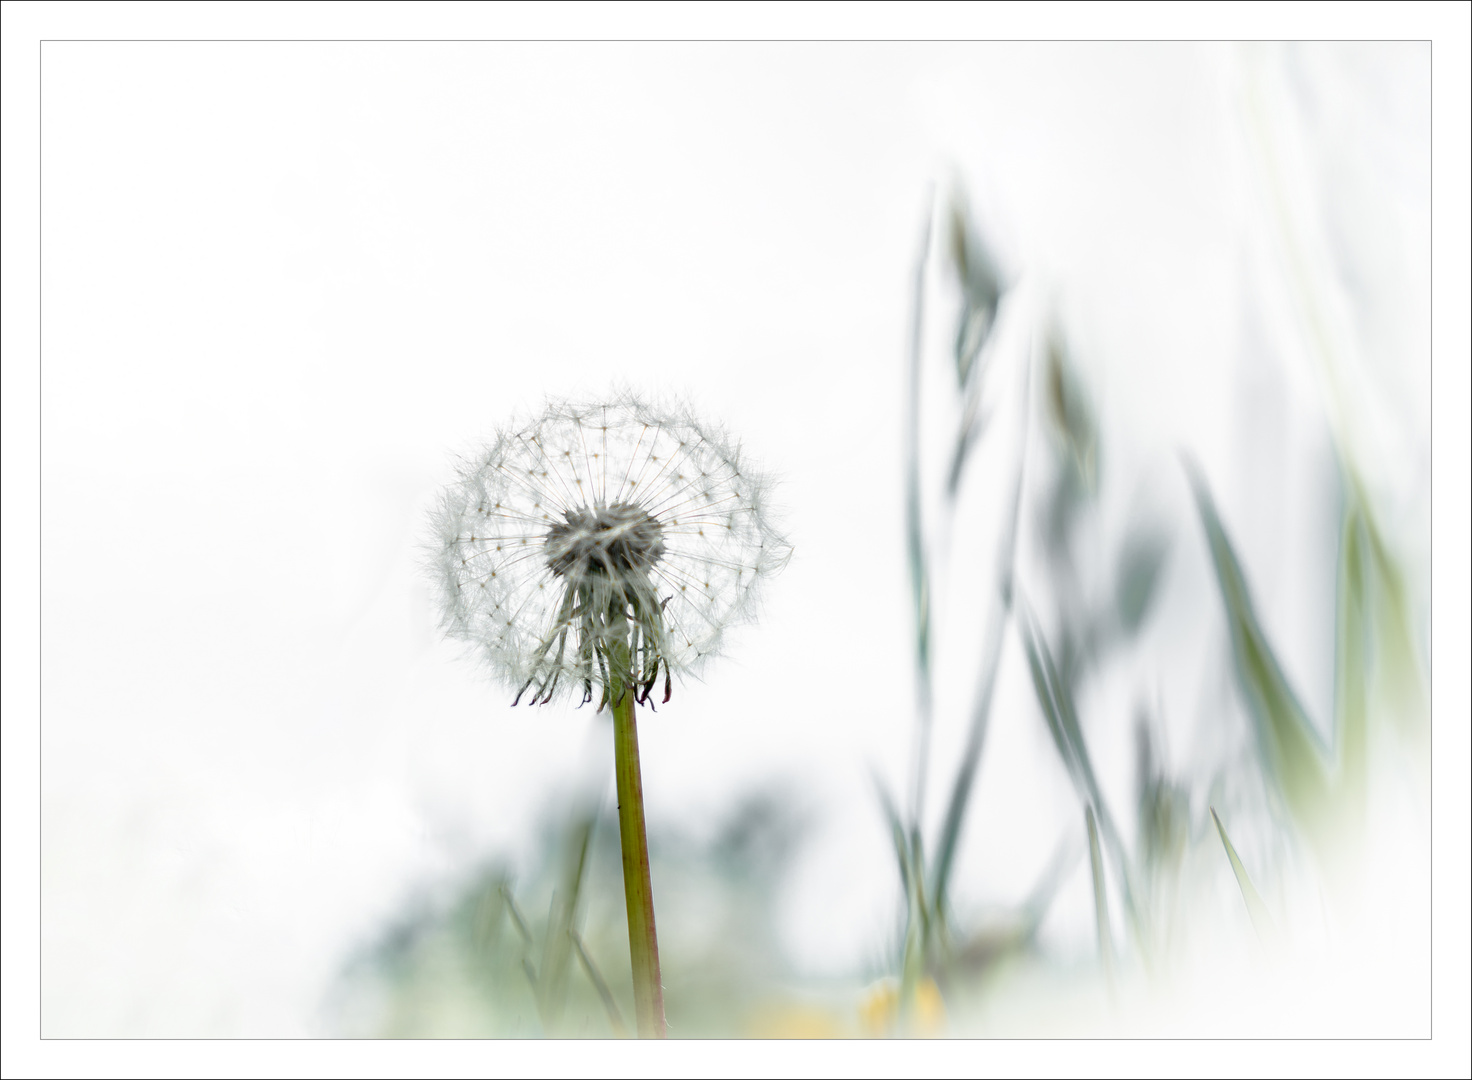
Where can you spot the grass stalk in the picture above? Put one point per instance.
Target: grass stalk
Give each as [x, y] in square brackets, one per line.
[915, 537]
[1262, 922]
[595, 976]
[1101, 898]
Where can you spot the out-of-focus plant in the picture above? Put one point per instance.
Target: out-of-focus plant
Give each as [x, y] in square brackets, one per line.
[1380, 685]
[543, 952]
[1315, 789]
[931, 945]
[1323, 788]
[983, 287]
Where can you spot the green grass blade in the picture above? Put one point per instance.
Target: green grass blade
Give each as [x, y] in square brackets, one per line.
[896, 831]
[1072, 416]
[1262, 922]
[970, 762]
[1042, 686]
[600, 985]
[1058, 710]
[916, 921]
[999, 613]
[561, 919]
[1351, 669]
[1396, 656]
[1101, 898]
[915, 529]
[1062, 720]
[1140, 564]
[1287, 742]
[519, 921]
[981, 288]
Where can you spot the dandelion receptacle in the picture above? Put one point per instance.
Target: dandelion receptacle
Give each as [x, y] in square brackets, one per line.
[600, 551]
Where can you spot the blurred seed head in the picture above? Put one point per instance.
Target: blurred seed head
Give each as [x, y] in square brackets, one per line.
[981, 284]
[1069, 410]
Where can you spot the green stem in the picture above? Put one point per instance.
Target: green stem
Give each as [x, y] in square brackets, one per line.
[638, 893]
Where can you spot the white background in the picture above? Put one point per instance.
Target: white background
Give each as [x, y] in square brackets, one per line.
[285, 281]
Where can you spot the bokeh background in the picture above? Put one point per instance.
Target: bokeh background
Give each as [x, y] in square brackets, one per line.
[286, 282]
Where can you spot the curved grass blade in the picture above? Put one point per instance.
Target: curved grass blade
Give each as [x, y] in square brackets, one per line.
[1000, 612]
[1101, 897]
[981, 289]
[970, 762]
[1013, 933]
[1287, 742]
[1262, 922]
[1062, 720]
[557, 946]
[1140, 563]
[519, 921]
[1069, 409]
[917, 921]
[914, 528]
[1351, 668]
[896, 830]
[1396, 648]
[595, 976]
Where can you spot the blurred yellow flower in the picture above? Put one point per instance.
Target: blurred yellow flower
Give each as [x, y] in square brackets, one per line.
[879, 1010]
[795, 1022]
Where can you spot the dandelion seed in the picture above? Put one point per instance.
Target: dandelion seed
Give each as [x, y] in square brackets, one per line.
[587, 524]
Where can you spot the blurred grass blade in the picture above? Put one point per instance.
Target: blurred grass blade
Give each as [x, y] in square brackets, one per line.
[981, 296]
[557, 946]
[595, 976]
[1045, 889]
[1044, 690]
[1286, 739]
[896, 831]
[519, 921]
[489, 907]
[1262, 922]
[1140, 563]
[1396, 655]
[1351, 669]
[981, 288]
[998, 614]
[973, 422]
[1062, 720]
[970, 761]
[914, 526]
[1058, 709]
[1069, 409]
[1101, 898]
[916, 917]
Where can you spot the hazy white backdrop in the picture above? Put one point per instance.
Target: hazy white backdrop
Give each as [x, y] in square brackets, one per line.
[285, 282]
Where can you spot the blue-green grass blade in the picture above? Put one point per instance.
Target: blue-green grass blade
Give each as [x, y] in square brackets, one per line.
[1351, 669]
[1101, 897]
[1062, 719]
[1289, 746]
[1262, 922]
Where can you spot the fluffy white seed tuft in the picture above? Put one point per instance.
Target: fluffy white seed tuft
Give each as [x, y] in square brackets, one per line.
[599, 543]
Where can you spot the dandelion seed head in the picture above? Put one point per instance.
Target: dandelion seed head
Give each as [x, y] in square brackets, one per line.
[602, 544]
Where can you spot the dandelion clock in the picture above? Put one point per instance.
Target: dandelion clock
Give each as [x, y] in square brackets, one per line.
[598, 553]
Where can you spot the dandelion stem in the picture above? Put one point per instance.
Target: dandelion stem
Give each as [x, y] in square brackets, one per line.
[638, 893]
